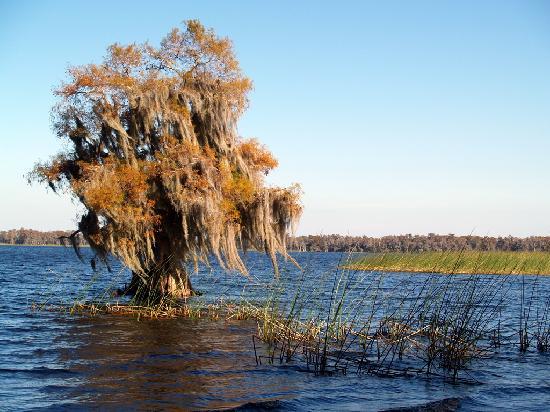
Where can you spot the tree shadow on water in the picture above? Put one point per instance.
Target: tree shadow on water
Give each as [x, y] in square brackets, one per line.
[120, 362]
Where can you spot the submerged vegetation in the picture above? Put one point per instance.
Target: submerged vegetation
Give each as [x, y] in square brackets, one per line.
[435, 326]
[467, 262]
[154, 156]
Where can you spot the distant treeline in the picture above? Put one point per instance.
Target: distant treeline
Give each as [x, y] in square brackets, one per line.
[417, 243]
[33, 237]
[339, 243]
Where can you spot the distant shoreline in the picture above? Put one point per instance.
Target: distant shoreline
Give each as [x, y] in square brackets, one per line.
[336, 243]
[45, 245]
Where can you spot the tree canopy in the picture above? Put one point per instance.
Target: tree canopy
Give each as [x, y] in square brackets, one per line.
[154, 156]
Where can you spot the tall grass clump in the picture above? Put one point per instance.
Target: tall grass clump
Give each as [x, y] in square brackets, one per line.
[542, 330]
[375, 324]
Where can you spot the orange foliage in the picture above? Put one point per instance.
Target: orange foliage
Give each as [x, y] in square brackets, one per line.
[258, 156]
[117, 190]
[125, 57]
[195, 55]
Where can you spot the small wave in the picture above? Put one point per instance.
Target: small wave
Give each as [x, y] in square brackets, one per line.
[256, 406]
[41, 371]
[443, 405]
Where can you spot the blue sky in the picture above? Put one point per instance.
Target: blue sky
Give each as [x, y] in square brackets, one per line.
[396, 117]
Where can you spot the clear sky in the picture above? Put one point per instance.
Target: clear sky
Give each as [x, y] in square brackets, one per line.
[396, 117]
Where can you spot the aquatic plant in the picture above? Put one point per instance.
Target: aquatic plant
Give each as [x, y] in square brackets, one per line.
[438, 326]
[542, 331]
[154, 156]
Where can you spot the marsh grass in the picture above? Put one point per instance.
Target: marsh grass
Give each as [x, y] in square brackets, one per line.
[542, 329]
[466, 262]
[161, 311]
[433, 325]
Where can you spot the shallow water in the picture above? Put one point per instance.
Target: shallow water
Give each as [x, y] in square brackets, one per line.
[53, 361]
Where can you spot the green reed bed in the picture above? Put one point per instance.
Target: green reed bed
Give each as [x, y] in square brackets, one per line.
[466, 262]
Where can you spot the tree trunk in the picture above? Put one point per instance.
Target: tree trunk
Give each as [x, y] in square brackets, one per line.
[175, 285]
[168, 279]
[158, 286]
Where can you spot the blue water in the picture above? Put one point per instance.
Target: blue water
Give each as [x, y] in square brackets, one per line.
[55, 361]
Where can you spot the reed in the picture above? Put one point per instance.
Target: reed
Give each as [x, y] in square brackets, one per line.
[437, 327]
[542, 332]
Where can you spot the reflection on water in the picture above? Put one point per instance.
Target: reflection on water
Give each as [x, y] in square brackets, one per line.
[52, 361]
[145, 364]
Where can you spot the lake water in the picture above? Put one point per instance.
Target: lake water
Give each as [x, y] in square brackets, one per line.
[56, 361]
